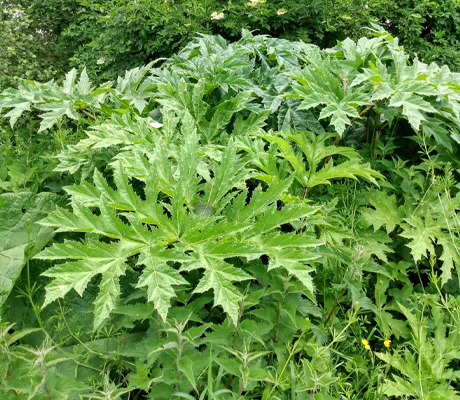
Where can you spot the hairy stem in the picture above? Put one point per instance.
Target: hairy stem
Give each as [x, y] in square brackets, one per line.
[377, 134]
[88, 114]
[278, 318]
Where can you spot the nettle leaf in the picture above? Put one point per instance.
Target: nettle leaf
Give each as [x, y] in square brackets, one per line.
[386, 212]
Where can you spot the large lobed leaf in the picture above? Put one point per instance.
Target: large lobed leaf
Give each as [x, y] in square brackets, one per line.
[20, 236]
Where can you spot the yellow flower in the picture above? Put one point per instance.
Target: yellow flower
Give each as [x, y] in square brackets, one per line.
[387, 343]
[365, 342]
[367, 347]
[281, 11]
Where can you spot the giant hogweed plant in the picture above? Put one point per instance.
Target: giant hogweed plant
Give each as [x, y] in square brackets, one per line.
[221, 241]
[181, 222]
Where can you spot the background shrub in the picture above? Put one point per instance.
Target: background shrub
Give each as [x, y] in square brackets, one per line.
[43, 38]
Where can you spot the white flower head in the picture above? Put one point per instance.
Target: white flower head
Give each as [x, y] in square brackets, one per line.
[281, 11]
[155, 125]
[216, 15]
[253, 3]
[100, 61]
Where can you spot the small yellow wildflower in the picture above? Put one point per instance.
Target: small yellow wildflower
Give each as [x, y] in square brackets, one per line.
[367, 347]
[364, 342]
[281, 11]
[387, 343]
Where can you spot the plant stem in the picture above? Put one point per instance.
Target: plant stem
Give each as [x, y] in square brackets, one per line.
[278, 317]
[377, 134]
[88, 114]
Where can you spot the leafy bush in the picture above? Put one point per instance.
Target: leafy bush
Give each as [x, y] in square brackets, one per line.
[43, 38]
[429, 29]
[30, 39]
[260, 220]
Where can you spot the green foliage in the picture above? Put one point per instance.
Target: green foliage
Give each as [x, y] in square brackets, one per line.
[30, 39]
[41, 39]
[428, 29]
[425, 364]
[253, 220]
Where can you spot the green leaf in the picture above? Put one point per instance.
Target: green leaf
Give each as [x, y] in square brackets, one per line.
[54, 112]
[159, 277]
[347, 169]
[413, 107]
[20, 237]
[185, 365]
[386, 212]
[107, 259]
[341, 114]
[219, 276]
[421, 234]
[274, 218]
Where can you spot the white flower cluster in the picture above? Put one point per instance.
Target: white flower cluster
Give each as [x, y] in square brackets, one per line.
[215, 15]
[253, 3]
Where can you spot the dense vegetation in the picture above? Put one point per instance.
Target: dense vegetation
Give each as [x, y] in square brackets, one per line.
[259, 219]
[42, 39]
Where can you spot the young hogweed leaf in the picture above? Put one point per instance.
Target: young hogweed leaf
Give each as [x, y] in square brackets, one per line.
[319, 87]
[413, 107]
[422, 233]
[259, 201]
[222, 114]
[347, 169]
[386, 212]
[254, 123]
[120, 130]
[274, 218]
